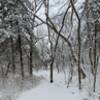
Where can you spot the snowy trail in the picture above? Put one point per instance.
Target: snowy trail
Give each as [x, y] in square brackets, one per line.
[48, 91]
[54, 91]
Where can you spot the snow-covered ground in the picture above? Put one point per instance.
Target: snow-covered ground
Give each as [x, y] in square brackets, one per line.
[55, 91]
[13, 85]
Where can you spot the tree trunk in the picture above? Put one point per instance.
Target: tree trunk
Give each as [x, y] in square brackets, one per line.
[95, 56]
[12, 55]
[31, 54]
[21, 58]
[46, 3]
[79, 55]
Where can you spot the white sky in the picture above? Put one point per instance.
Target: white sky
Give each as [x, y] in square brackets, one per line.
[56, 6]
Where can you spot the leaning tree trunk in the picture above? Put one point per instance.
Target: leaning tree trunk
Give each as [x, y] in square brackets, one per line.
[21, 58]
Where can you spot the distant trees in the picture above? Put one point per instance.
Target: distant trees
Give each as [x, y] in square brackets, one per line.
[77, 48]
[16, 25]
[92, 16]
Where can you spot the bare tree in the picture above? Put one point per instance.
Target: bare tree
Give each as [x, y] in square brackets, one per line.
[79, 42]
[57, 39]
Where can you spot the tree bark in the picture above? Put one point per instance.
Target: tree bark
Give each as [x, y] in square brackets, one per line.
[79, 55]
[95, 56]
[21, 58]
[12, 55]
[31, 54]
[79, 43]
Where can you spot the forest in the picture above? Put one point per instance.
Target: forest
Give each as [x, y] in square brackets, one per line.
[51, 46]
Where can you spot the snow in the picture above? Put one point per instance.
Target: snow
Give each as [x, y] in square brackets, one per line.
[54, 91]
[49, 92]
